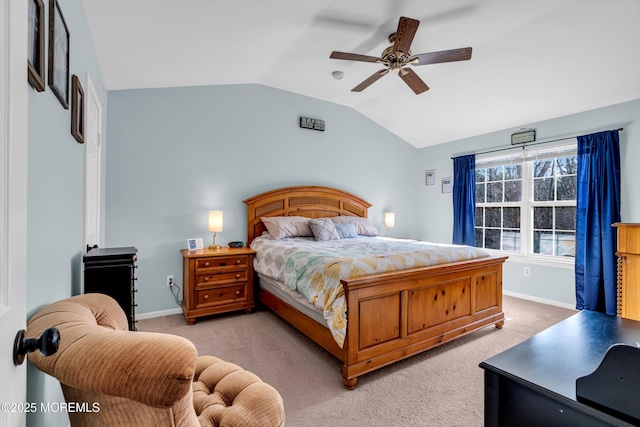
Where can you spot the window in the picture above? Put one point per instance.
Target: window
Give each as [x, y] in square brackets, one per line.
[527, 205]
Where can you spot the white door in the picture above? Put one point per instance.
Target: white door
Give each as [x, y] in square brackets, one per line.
[13, 203]
[92, 133]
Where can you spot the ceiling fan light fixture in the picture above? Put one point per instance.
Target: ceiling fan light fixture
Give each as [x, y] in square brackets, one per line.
[337, 75]
[397, 56]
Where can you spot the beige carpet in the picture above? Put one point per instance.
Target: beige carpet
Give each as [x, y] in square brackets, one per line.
[441, 387]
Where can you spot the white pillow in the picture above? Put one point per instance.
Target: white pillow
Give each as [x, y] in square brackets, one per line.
[363, 225]
[280, 227]
[323, 229]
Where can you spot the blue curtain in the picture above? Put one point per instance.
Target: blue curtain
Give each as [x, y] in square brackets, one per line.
[464, 200]
[598, 206]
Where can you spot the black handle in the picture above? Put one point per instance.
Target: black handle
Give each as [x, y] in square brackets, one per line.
[48, 344]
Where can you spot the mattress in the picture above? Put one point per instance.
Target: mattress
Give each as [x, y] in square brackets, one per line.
[293, 298]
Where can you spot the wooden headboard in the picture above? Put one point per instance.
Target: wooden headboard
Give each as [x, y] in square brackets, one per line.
[307, 201]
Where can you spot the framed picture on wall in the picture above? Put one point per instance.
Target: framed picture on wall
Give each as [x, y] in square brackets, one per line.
[58, 54]
[447, 185]
[430, 177]
[35, 54]
[77, 109]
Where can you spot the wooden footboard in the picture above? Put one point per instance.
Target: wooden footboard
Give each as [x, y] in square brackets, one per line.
[392, 316]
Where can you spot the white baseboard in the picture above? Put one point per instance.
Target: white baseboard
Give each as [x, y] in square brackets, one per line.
[162, 313]
[169, 312]
[540, 300]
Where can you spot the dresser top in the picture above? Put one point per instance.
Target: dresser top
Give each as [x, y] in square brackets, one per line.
[556, 357]
[206, 252]
[107, 253]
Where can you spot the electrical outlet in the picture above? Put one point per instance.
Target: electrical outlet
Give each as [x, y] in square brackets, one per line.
[170, 281]
[527, 271]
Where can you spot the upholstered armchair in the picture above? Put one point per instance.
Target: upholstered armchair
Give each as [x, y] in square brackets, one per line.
[116, 377]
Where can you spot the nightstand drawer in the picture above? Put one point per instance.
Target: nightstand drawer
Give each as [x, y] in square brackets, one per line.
[223, 295]
[221, 261]
[221, 277]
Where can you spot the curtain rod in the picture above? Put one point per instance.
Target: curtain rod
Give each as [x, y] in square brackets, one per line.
[527, 145]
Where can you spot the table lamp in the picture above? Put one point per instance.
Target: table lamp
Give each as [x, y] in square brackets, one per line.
[215, 225]
[389, 221]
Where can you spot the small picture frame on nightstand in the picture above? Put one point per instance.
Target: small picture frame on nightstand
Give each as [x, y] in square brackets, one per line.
[194, 244]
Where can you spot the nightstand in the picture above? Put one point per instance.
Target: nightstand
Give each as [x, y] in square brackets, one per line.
[217, 281]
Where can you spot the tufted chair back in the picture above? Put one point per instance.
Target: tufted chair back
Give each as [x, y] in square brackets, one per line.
[116, 377]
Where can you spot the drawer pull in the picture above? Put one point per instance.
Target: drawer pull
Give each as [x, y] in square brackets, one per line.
[206, 264]
[238, 276]
[206, 296]
[237, 292]
[206, 279]
[237, 261]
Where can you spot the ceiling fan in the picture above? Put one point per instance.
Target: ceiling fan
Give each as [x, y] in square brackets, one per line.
[397, 56]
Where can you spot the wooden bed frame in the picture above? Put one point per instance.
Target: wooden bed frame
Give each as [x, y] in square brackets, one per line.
[393, 315]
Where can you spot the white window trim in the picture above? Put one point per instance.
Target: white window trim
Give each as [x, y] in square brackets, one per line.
[526, 254]
[536, 259]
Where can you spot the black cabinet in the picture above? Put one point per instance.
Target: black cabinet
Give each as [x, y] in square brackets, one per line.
[534, 382]
[111, 271]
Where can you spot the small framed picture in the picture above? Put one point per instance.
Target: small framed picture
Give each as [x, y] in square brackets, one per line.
[77, 110]
[35, 57]
[58, 54]
[447, 185]
[430, 177]
[196, 243]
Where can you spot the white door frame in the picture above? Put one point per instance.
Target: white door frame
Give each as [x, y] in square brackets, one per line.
[13, 200]
[92, 170]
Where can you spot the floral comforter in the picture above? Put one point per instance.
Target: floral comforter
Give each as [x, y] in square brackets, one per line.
[315, 268]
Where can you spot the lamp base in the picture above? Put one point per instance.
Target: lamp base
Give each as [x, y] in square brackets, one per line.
[213, 245]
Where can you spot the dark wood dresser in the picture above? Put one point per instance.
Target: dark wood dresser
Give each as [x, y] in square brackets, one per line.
[111, 271]
[534, 383]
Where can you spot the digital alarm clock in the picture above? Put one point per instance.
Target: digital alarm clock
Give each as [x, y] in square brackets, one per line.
[235, 244]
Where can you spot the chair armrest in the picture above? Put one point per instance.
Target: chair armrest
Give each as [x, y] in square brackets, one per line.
[152, 368]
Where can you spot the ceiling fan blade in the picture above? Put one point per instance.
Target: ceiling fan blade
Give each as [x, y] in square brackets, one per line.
[407, 28]
[413, 80]
[462, 54]
[353, 57]
[372, 79]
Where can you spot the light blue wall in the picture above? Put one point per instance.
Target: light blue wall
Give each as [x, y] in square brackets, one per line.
[174, 154]
[546, 282]
[55, 200]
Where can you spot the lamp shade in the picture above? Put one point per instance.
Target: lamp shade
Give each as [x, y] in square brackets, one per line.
[389, 219]
[215, 221]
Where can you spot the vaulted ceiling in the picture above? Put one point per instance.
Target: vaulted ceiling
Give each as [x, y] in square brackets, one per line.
[532, 60]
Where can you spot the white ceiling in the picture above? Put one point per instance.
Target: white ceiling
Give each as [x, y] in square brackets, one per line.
[532, 59]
